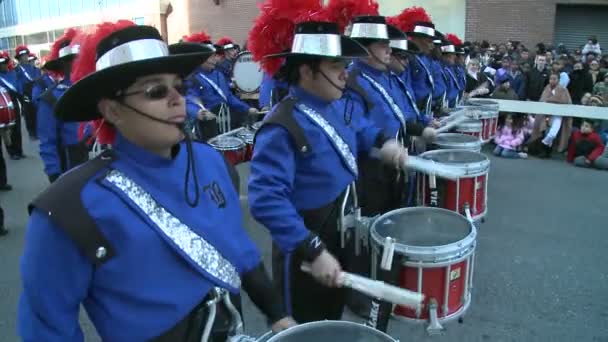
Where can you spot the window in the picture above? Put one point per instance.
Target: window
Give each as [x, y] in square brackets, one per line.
[139, 21]
[37, 38]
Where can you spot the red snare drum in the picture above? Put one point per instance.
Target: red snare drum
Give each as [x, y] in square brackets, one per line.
[247, 137]
[471, 188]
[456, 141]
[470, 127]
[488, 115]
[435, 250]
[7, 109]
[232, 148]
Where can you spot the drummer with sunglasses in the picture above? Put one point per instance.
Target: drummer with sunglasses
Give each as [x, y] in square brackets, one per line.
[303, 162]
[149, 234]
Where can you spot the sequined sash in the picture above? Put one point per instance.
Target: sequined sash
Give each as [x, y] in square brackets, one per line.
[379, 88]
[215, 87]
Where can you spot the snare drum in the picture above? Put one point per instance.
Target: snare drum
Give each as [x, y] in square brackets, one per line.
[458, 141]
[247, 73]
[488, 115]
[435, 250]
[256, 126]
[455, 194]
[7, 109]
[246, 136]
[470, 127]
[232, 148]
[328, 331]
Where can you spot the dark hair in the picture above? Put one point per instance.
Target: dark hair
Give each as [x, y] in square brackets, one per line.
[518, 121]
[290, 71]
[591, 122]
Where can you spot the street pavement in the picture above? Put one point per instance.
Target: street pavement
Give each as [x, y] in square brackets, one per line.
[540, 271]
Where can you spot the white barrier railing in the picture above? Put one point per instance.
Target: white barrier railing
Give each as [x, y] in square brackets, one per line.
[577, 111]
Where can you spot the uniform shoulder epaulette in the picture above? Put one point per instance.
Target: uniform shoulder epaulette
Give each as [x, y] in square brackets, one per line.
[353, 84]
[62, 203]
[282, 115]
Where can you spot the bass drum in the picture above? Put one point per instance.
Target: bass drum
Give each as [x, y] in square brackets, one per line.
[328, 331]
[247, 74]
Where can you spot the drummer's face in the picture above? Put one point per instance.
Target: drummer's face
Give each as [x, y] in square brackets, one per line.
[158, 96]
[329, 81]
[398, 63]
[230, 54]
[380, 50]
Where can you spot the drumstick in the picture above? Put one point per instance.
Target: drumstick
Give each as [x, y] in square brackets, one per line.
[432, 167]
[377, 289]
[451, 124]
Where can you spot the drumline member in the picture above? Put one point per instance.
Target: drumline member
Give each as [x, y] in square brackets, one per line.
[61, 149]
[144, 249]
[27, 74]
[8, 80]
[229, 50]
[303, 162]
[209, 95]
[460, 67]
[448, 50]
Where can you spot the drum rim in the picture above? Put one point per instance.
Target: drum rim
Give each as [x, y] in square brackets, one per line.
[474, 143]
[488, 114]
[325, 323]
[473, 124]
[471, 169]
[231, 148]
[245, 52]
[436, 254]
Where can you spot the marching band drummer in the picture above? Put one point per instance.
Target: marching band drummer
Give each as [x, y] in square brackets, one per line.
[228, 51]
[8, 80]
[27, 73]
[303, 162]
[143, 247]
[448, 50]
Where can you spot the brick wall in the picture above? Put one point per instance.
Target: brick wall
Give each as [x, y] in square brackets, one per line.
[233, 18]
[529, 21]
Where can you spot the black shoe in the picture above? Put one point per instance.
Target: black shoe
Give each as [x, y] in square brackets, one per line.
[6, 187]
[545, 152]
[3, 231]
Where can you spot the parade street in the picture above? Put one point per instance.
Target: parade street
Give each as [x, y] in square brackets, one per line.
[540, 271]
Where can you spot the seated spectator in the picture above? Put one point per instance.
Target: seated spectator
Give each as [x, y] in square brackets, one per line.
[503, 88]
[528, 127]
[601, 87]
[586, 148]
[517, 80]
[580, 83]
[510, 136]
[594, 70]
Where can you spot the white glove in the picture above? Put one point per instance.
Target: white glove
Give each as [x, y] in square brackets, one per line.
[393, 153]
[429, 133]
[326, 270]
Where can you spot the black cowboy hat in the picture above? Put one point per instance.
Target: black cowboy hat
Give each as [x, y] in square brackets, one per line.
[403, 47]
[423, 29]
[67, 53]
[322, 39]
[121, 57]
[187, 47]
[371, 28]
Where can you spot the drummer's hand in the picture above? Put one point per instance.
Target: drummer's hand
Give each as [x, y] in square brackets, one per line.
[429, 133]
[326, 270]
[253, 111]
[393, 153]
[204, 114]
[435, 123]
[282, 324]
[265, 109]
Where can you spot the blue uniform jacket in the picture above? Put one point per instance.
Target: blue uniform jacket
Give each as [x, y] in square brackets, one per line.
[283, 181]
[40, 87]
[9, 81]
[419, 78]
[225, 67]
[53, 133]
[269, 84]
[199, 88]
[406, 84]
[518, 84]
[461, 75]
[25, 74]
[452, 90]
[382, 114]
[149, 285]
[440, 80]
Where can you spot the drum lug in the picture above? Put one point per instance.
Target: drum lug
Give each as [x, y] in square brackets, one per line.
[467, 211]
[434, 328]
[388, 251]
[362, 225]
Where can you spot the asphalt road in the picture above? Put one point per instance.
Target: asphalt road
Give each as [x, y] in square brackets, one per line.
[540, 273]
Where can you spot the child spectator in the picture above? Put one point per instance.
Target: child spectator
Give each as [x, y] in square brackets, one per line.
[587, 149]
[510, 137]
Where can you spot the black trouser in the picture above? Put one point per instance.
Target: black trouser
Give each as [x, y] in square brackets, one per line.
[310, 300]
[381, 189]
[71, 156]
[3, 177]
[29, 113]
[190, 328]
[16, 146]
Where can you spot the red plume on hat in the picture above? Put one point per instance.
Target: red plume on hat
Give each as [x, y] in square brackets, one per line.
[20, 48]
[68, 35]
[225, 40]
[273, 30]
[6, 55]
[342, 12]
[407, 19]
[198, 37]
[452, 38]
[84, 65]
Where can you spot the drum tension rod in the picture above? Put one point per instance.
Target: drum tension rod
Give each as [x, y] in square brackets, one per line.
[434, 328]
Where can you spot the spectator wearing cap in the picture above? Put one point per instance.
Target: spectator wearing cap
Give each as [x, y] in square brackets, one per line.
[592, 46]
[504, 90]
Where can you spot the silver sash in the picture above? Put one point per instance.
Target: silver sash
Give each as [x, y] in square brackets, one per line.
[409, 95]
[215, 87]
[198, 251]
[8, 84]
[339, 144]
[396, 110]
[25, 73]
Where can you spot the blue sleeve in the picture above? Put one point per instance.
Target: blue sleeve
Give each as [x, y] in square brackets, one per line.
[36, 92]
[192, 97]
[265, 91]
[234, 102]
[367, 132]
[56, 279]
[47, 133]
[271, 184]
[521, 88]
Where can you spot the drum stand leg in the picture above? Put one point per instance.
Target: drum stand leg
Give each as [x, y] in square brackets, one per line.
[434, 328]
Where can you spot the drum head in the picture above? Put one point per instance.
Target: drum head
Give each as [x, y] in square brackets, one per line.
[331, 331]
[247, 73]
[257, 125]
[246, 135]
[454, 156]
[456, 138]
[423, 226]
[226, 143]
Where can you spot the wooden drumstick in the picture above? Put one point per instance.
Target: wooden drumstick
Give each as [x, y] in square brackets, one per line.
[451, 124]
[377, 289]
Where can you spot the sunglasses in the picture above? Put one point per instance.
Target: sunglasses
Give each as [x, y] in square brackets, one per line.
[156, 92]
